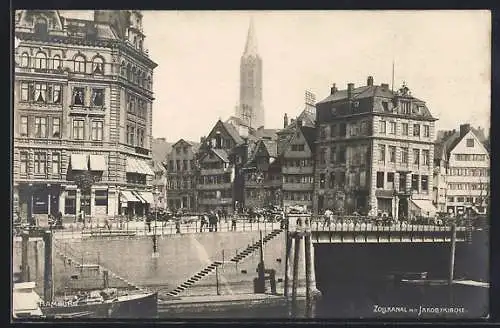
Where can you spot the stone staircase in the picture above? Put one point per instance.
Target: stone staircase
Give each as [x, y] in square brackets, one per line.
[212, 266]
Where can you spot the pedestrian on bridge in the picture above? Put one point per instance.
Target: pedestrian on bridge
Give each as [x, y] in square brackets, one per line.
[233, 223]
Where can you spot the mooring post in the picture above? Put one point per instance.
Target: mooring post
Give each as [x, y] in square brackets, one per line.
[288, 247]
[105, 278]
[452, 252]
[48, 279]
[24, 257]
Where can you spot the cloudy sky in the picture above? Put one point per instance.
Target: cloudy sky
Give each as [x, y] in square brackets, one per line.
[444, 56]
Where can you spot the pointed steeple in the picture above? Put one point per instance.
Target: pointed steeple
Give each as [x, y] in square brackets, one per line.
[251, 45]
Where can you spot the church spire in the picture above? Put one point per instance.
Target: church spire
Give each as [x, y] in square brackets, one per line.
[251, 45]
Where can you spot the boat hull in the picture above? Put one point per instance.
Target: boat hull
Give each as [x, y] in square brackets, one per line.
[134, 306]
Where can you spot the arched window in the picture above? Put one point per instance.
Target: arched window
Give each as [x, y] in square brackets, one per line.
[98, 65]
[79, 64]
[140, 45]
[24, 60]
[134, 75]
[40, 60]
[149, 83]
[129, 72]
[124, 69]
[56, 61]
[41, 27]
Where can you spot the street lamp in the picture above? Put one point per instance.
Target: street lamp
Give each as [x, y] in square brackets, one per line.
[155, 254]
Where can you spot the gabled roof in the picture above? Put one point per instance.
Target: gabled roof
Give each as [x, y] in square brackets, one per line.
[272, 147]
[159, 149]
[310, 136]
[221, 153]
[450, 139]
[232, 132]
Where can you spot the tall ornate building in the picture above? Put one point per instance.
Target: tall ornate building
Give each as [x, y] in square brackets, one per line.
[82, 113]
[250, 108]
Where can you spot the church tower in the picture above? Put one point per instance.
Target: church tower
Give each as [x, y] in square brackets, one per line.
[250, 108]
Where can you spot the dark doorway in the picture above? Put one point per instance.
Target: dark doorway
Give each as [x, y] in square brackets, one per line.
[403, 207]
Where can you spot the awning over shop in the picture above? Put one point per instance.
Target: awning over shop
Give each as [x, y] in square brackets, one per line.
[128, 196]
[147, 196]
[97, 163]
[79, 162]
[138, 196]
[139, 166]
[425, 206]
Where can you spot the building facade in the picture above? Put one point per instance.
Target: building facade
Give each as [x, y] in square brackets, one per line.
[82, 114]
[250, 109]
[182, 176]
[375, 151]
[468, 174]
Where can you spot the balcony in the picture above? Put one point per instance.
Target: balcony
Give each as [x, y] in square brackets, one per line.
[264, 184]
[214, 171]
[218, 186]
[297, 170]
[298, 186]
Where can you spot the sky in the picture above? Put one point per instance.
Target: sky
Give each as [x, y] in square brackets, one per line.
[444, 57]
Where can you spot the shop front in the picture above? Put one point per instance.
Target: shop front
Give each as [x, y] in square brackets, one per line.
[38, 200]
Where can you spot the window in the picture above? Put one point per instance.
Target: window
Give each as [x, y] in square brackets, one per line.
[343, 130]
[97, 97]
[333, 155]
[405, 129]
[470, 142]
[41, 27]
[78, 129]
[98, 66]
[101, 198]
[40, 61]
[405, 107]
[140, 137]
[298, 147]
[56, 62]
[382, 153]
[23, 158]
[24, 60]
[185, 164]
[424, 183]
[380, 179]
[56, 94]
[171, 166]
[178, 165]
[451, 199]
[392, 127]
[404, 155]
[392, 154]
[322, 180]
[364, 128]
[79, 64]
[56, 127]
[322, 132]
[342, 155]
[322, 156]
[78, 96]
[70, 202]
[23, 131]
[416, 156]
[56, 158]
[40, 163]
[425, 157]
[416, 130]
[414, 182]
[40, 92]
[40, 127]
[382, 127]
[427, 131]
[385, 105]
[390, 180]
[333, 130]
[24, 91]
[97, 129]
[130, 135]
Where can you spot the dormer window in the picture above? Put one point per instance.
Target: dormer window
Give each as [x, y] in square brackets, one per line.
[79, 64]
[98, 66]
[41, 27]
[405, 107]
[385, 105]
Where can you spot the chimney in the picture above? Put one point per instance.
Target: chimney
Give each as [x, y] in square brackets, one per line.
[285, 121]
[385, 86]
[464, 128]
[369, 81]
[350, 88]
[202, 140]
[333, 89]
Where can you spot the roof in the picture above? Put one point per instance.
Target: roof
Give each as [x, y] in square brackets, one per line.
[266, 133]
[232, 132]
[222, 154]
[310, 136]
[272, 147]
[448, 140]
[251, 44]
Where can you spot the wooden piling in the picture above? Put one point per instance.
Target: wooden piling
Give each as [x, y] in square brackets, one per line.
[105, 278]
[48, 278]
[295, 282]
[307, 249]
[452, 253]
[24, 257]
[288, 248]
